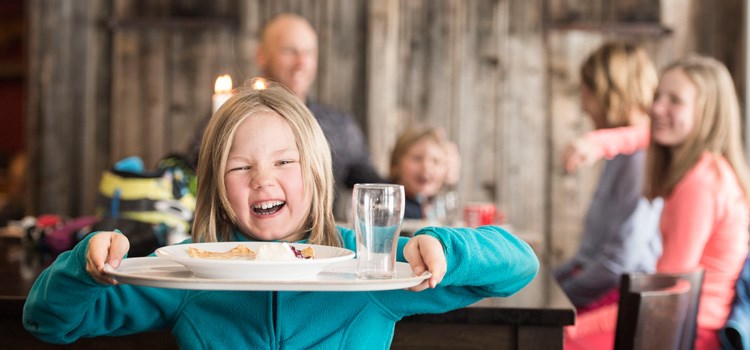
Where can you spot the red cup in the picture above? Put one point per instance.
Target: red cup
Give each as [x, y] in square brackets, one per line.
[479, 214]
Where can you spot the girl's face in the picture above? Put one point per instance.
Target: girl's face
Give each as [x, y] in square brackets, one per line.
[264, 179]
[422, 169]
[673, 111]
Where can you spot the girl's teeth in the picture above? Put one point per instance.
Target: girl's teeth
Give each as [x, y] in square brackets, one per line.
[268, 205]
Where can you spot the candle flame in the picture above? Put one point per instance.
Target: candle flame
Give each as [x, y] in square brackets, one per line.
[260, 84]
[223, 84]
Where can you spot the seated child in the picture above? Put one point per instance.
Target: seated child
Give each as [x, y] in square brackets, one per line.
[266, 176]
[419, 162]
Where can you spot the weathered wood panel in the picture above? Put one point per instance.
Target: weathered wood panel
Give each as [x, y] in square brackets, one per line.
[524, 169]
[476, 69]
[383, 78]
[66, 53]
[166, 57]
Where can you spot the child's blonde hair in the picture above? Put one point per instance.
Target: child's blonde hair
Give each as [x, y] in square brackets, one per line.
[621, 77]
[214, 218]
[716, 129]
[408, 138]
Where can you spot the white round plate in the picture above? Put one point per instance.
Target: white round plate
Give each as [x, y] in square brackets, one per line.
[341, 276]
[254, 269]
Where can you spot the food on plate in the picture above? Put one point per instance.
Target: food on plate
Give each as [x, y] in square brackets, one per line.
[266, 252]
[275, 252]
[307, 253]
[236, 253]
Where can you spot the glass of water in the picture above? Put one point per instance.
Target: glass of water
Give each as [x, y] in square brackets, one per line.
[377, 213]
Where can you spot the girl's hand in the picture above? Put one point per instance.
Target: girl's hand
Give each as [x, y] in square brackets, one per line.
[579, 153]
[425, 252]
[105, 247]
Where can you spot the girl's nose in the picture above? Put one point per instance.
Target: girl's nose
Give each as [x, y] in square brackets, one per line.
[262, 178]
[658, 106]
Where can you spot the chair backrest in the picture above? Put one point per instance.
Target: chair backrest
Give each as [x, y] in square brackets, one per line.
[695, 278]
[652, 312]
[640, 281]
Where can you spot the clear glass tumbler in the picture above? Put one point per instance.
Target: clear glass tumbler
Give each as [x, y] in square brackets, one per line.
[377, 212]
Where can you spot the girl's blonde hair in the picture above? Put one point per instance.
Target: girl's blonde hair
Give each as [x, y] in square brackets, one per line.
[716, 129]
[408, 138]
[214, 218]
[621, 77]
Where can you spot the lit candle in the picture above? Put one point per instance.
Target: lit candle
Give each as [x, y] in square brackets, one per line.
[222, 91]
[260, 84]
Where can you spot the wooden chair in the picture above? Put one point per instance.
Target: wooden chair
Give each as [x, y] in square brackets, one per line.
[653, 310]
[640, 281]
[695, 278]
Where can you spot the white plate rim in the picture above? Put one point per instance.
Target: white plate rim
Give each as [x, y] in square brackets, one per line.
[123, 275]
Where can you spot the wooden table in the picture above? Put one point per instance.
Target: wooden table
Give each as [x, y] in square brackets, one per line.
[531, 319]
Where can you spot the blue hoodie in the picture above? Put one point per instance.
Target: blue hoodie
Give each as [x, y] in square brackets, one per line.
[736, 333]
[66, 304]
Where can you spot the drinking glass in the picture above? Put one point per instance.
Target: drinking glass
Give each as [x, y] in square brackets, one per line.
[377, 211]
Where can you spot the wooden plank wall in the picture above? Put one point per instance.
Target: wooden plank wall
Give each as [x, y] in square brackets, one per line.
[166, 55]
[109, 79]
[68, 104]
[454, 64]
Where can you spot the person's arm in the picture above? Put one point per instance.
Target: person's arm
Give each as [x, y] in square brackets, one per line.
[605, 143]
[489, 258]
[624, 140]
[66, 304]
[483, 262]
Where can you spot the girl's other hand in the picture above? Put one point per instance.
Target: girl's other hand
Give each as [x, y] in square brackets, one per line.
[425, 252]
[579, 153]
[105, 248]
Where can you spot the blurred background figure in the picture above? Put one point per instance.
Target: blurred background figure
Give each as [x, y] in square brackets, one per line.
[621, 228]
[421, 161]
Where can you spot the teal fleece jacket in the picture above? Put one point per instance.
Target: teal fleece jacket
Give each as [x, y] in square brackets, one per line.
[66, 304]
